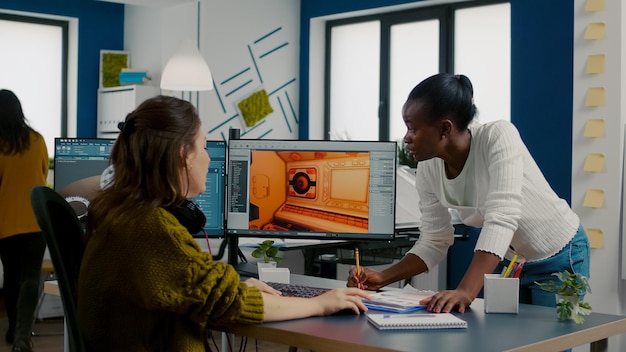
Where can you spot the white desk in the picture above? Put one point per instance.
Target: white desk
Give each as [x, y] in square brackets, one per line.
[535, 328]
[52, 288]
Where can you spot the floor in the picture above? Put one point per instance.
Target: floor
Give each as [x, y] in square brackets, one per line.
[48, 333]
[48, 337]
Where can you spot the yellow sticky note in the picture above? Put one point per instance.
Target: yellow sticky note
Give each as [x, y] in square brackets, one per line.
[594, 198]
[595, 64]
[594, 162]
[595, 30]
[595, 96]
[596, 238]
[594, 5]
[594, 128]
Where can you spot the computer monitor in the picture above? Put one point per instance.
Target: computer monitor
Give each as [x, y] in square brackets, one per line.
[311, 189]
[408, 214]
[213, 201]
[78, 164]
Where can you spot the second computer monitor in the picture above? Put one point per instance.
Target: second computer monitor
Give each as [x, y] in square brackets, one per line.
[311, 189]
[212, 202]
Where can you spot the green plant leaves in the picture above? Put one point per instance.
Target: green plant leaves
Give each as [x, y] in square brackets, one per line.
[267, 251]
[569, 284]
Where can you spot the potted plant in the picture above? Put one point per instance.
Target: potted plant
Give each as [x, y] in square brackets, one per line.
[268, 252]
[568, 290]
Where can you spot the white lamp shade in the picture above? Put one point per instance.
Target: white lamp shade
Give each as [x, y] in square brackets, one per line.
[187, 70]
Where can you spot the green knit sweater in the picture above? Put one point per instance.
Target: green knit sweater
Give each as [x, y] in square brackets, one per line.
[145, 285]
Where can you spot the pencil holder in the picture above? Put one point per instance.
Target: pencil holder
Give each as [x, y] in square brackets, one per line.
[280, 275]
[501, 294]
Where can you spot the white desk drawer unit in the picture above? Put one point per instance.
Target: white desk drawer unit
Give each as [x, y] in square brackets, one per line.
[115, 103]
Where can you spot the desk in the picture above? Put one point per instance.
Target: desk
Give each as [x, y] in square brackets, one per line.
[52, 288]
[535, 328]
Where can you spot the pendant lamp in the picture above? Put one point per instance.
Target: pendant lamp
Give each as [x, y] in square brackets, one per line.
[187, 70]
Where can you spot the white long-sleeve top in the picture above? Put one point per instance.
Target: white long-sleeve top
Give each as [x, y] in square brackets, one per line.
[503, 192]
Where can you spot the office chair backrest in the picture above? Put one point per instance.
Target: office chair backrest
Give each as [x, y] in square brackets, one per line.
[64, 236]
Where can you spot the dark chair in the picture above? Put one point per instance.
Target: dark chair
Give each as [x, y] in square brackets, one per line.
[64, 235]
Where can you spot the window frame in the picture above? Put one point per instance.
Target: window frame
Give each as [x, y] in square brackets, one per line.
[443, 12]
[64, 26]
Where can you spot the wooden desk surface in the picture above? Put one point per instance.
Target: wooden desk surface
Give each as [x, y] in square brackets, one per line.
[51, 287]
[534, 328]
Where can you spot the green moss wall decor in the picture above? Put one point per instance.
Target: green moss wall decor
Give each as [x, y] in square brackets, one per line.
[111, 63]
[255, 107]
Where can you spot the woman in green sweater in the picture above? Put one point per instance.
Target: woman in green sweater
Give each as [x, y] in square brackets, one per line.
[145, 284]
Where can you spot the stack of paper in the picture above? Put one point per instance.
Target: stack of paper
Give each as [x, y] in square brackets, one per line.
[398, 301]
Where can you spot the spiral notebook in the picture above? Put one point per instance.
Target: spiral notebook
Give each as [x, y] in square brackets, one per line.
[416, 321]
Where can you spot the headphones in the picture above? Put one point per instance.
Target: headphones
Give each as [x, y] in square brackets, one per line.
[190, 216]
[188, 213]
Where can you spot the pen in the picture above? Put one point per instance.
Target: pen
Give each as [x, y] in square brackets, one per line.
[508, 269]
[518, 272]
[358, 267]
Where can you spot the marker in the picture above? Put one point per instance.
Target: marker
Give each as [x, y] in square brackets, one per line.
[518, 272]
[508, 269]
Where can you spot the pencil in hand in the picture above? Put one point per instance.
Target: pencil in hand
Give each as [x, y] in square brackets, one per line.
[358, 268]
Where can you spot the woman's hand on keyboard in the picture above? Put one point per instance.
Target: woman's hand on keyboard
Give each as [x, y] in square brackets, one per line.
[341, 299]
[262, 286]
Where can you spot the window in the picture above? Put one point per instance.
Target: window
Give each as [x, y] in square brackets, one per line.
[33, 65]
[373, 62]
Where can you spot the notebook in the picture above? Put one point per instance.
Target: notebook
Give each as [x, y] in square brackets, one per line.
[416, 321]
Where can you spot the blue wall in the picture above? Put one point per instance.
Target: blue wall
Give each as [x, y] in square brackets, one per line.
[541, 77]
[542, 83]
[100, 26]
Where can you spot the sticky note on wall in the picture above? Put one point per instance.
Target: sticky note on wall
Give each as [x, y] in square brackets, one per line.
[595, 64]
[596, 237]
[595, 30]
[594, 128]
[595, 96]
[594, 162]
[594, 198]
[594, 5]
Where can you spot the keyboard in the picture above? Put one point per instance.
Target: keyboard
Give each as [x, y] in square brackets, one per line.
[293, 290]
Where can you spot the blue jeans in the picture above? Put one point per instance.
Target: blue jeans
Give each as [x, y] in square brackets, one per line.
[574, 257]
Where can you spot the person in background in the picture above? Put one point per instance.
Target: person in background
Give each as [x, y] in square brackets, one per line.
[487, 174]
[23, 165]
[144, 283]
